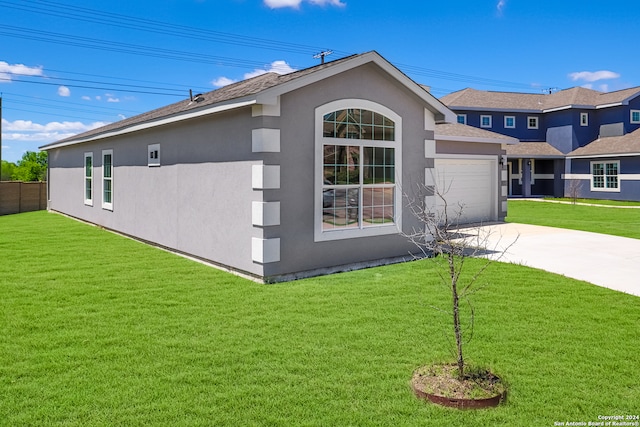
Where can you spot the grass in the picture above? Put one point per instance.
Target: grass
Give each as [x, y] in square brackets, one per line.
[618, 222]
[97, 329]
[604, 202]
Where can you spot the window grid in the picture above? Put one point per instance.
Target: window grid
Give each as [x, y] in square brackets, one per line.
[604, 176]
[635, 116]
[355, 123]
[532, 122]
[358, 179]
[485, 121]
[462, 119]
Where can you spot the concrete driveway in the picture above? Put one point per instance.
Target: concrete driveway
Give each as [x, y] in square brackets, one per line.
[608, 261]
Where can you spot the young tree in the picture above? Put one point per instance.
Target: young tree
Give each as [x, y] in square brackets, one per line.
[32, 167]
[442, 236]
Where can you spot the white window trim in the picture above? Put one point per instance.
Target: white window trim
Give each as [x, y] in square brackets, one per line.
[464, 118]
[506, 126]
[153, 155]
[105, 205]
[537, 121]
[634, 122]
[376, 230]
[483, 116]
[88, 202]
[584, 122]
[604, 189]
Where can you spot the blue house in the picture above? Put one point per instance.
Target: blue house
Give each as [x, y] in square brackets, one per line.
[576, 141]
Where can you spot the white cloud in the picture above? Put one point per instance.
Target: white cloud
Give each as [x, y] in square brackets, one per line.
[7, 70]
[604, 87]
[279, 67]
[64, 91]
[26, 130]
[500, 6]
[593, 76]
[328, 2]
[277, 4]
[86, 98]
[222, 81]
[111, 99]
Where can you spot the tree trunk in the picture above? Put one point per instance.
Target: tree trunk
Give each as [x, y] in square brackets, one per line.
[456, 317]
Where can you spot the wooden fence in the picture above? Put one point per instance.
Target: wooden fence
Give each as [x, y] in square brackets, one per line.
[17, 196]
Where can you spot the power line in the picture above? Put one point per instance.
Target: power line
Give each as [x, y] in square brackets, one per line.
[89, 87]
[62, 10]
[111, 46]
[67, 102]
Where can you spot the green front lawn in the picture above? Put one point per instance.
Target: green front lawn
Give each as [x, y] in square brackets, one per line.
[607, 220]
[604, 202]
[97, 329]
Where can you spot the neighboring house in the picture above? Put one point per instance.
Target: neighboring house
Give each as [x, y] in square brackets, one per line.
[576, 141]
[282, 176]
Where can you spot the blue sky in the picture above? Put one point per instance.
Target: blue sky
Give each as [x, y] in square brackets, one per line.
[67, 66]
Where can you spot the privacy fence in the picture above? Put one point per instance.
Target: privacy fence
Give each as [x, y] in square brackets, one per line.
[16, 197]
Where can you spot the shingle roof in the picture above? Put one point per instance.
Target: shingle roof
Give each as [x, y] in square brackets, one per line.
[230, 92]
[513, 101]
[534, 150]
[611, 145]
[460, 130]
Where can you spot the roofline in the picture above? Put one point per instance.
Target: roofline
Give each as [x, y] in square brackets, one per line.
[508, 141]
[497, 110]
[212, 109]
[598, 156]
[535, 156]
[443, 113]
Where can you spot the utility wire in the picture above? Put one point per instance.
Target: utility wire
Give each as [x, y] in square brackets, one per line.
[62, 10]
[53, 8]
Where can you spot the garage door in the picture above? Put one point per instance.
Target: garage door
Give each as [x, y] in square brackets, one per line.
[470, 183]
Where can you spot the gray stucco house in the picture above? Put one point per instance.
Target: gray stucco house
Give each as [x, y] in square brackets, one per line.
[282, 176]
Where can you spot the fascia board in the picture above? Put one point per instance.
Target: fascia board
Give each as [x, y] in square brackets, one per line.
[613, 104]
[570, 107]
[508, 141]
[269, 96]
[599, 156]
[535, 156]
[155, 123]
[495, 110]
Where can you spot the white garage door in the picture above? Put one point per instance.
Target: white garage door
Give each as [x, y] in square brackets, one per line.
[470, 183]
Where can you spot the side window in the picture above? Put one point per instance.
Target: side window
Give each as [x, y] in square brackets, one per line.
[153, 155]
[509, 122]
[88, 179]
[107, 179]
[584, 119]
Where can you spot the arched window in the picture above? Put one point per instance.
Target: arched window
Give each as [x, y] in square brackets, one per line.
[358, 149]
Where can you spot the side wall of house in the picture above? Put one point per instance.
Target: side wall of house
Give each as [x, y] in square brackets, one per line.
[198, 200]
[628, 179]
